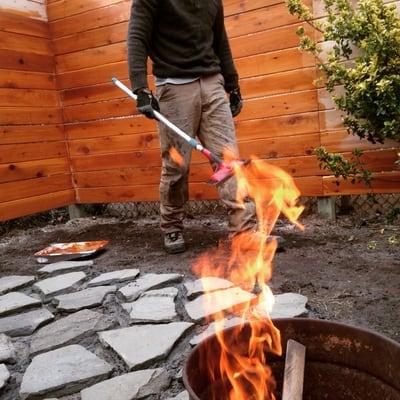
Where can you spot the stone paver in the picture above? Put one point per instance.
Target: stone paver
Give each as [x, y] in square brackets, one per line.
[15, 301]
[134, 385]
[153, 306]
[7, 350]
[112, 278]
[134, 289]
[64, 267]
[206, 284]
[212, 303]
[140, 345]
[26, 323]
[181, 396]
[4, 375]
[287, 305]
[215, 327]
[63, 371]
[51, 287]
[87, 298]
[69, 330]
[14, 282]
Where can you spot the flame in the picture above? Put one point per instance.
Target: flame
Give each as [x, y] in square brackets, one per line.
[176, 156]
[243, 372]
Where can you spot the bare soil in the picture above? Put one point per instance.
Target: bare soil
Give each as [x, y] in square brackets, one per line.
[350, 273]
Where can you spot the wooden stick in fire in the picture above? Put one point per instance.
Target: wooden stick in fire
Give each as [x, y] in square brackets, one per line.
[294, 371]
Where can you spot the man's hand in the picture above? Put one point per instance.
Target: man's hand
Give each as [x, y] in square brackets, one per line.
[236, 103]
[146, 103]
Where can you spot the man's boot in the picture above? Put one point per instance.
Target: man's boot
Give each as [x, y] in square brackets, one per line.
[174, 243]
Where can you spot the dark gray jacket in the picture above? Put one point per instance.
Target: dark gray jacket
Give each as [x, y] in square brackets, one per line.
[183, 38]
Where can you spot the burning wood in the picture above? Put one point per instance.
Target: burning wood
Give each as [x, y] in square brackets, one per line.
[294, 371]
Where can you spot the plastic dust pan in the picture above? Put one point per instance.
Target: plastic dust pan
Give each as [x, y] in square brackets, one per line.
[69, 251]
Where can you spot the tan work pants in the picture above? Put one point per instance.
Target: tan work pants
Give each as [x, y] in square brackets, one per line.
[201, 109]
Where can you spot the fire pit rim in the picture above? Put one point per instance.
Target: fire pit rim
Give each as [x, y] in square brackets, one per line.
[333, 324]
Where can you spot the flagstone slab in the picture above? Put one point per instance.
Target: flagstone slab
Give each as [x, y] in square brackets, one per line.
[87, 298]
[15, 301]
[215, 327]
[287, 305]
[131, 386]
[114, 277]
[140, 345]
[63, 371]
[7, 350]
[4, 375]
[153, 306]
[69, 330]
[14, 282]
[134, 289]
[59, 284]
[64, 267]
[181, 396]
[26, 323]
[206, 284]
[212, 303]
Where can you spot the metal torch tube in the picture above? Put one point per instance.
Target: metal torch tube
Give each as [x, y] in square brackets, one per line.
[192, 142]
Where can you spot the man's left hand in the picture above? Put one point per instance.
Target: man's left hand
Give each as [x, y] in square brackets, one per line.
[236, 102]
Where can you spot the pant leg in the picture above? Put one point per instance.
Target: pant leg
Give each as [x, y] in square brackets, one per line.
[181, 105]
[217, 133]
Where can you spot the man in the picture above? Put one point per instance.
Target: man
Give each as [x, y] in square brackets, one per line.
[194, 70]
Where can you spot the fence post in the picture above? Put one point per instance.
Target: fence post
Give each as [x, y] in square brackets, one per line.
[76, 211]
[327, 208]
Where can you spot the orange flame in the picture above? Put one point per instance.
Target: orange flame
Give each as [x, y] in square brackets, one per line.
[244, 372]
[176, 156]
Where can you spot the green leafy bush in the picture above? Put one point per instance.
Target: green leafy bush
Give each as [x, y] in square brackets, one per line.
[364, 60]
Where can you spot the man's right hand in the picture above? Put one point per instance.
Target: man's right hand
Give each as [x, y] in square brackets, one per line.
[146, 103]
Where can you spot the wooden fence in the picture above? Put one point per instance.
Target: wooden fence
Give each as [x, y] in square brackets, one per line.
[93, 147]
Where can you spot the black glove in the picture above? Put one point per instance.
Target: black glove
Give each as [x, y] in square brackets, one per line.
[236, 103]
[146, 103]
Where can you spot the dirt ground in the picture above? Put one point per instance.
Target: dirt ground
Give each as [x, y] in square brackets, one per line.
[350, 273]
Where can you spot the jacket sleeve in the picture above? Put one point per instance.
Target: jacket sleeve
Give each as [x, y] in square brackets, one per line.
[223, 51]
[140, 30]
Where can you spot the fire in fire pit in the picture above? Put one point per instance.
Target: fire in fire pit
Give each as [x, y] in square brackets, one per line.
[246, 362]
[243, 368]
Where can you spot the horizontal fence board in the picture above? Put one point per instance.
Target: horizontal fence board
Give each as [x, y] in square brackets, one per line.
[265, 148]
[12, 153]
[267, 17]
[385, 182]
[66, 8]
[28, 98]
[30, 115]
[19, 42]
[90, 39]
[26, 8]
[246, 130]
[121, 126]
[291, 103]
[30, 134]
[255, 86]
[26, 61]
[33, 169]
[32, 205]
[151, 176]
[91, 20]
[34, 187]
[10, 22]
[26, 80]
[240, 6]
[342, 141]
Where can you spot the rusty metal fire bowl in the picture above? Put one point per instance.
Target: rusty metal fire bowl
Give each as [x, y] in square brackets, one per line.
[342, 362]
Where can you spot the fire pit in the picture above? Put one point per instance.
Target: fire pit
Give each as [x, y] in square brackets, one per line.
[342, 362]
